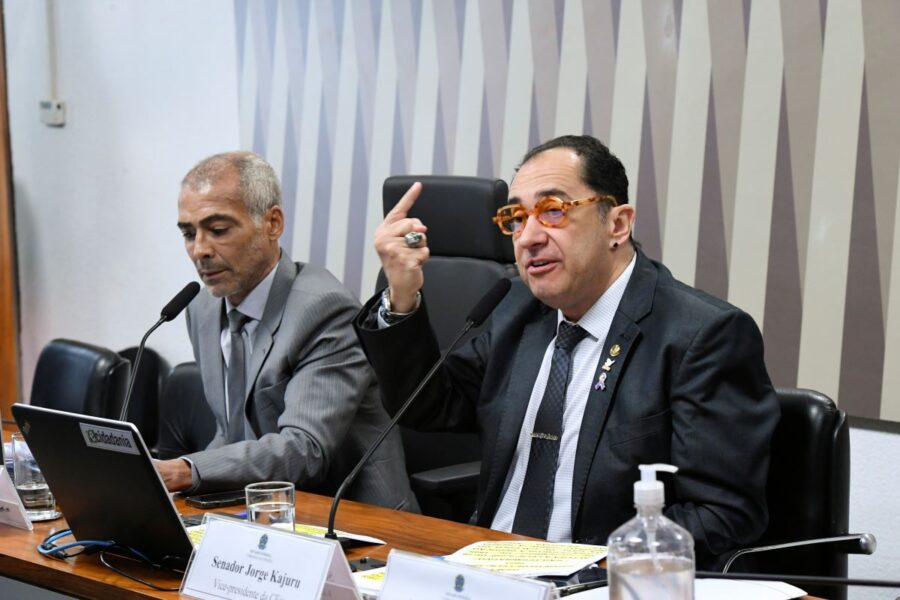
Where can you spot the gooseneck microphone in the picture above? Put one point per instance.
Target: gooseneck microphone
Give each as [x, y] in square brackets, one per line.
[476, 317]
[169, 312]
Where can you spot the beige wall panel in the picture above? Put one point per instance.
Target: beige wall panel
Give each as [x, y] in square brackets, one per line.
[310, 120]
[382, 135]
[545, 52]
[342, 156]
[519, 87]
[449, 32]
[471, 95]
[247, 91]
[661, 40]
[278, 105]
[802, 73]
[495, 43]
[881, 21]
[628, 95]
[825, 282]
[756, 167]
[600, 39]
[572, 72]
[422, 158]
[682, 221]
[728, 50]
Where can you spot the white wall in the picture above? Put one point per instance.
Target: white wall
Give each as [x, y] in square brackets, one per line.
[151, 87]
[875, 508]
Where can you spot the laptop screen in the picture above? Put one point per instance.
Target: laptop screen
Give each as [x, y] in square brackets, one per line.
[104, 481]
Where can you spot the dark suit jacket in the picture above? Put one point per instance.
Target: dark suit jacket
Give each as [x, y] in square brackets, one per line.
[688, 388]
[312, 403]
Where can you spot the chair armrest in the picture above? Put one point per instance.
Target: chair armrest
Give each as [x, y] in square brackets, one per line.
[852, 543]
[447, 480]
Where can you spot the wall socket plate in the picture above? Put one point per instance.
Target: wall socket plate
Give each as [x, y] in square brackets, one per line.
[53, 113]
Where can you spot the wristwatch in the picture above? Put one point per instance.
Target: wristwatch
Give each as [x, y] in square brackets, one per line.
[388, 315]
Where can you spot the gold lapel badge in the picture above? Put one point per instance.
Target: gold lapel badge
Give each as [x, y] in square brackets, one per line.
[607, 367]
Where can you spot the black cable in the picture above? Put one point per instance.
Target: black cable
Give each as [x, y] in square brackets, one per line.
[146, 562]
[50, 549]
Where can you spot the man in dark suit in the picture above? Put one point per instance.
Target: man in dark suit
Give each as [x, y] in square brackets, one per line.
[291, 392]
[597, 361]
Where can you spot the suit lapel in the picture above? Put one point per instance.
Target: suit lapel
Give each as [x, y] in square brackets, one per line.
[285, 273]
[527, 363]
[624, 332]
[212, 367]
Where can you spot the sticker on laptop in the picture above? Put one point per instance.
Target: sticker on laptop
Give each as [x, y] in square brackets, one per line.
[104, 438]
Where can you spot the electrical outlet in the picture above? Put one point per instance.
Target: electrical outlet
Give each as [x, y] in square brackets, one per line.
[53, 113]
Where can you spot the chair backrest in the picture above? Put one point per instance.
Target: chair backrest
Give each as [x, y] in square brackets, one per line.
[186, 422]
[468, 254]
[808, 491]
[80, 378]
[143, 410]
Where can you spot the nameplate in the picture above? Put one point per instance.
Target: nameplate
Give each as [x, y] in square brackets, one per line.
[246, 561]
[427, 578]
[11, 510]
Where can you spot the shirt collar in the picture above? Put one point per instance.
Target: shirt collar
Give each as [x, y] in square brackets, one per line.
[598, 318]
[255, 303]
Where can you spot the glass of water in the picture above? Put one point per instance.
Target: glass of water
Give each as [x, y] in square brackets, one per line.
[40, 505]
[271, 503]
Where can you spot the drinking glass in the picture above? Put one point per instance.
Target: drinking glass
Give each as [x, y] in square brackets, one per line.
[38, 500]
[271, 503]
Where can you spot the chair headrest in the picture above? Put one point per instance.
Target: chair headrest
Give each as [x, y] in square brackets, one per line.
[458, 213]
[80, 377]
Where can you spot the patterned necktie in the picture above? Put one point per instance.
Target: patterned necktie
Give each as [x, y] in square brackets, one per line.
[536, 498]
[236, 376]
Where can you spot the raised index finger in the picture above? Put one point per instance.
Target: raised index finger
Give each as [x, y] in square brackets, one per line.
[404, 204]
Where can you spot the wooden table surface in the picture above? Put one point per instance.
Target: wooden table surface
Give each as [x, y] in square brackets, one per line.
[85, 576]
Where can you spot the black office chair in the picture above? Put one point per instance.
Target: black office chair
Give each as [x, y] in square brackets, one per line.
[186, 423]
[468, 255]
[143, 410]
[80, 378]
[808, 496]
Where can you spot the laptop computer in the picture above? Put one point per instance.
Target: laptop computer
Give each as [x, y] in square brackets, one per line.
[105, 483]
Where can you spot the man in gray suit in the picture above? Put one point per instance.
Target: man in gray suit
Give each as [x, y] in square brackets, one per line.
[293, 395]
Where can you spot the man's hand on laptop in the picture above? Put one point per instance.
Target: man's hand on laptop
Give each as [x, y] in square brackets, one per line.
[175, 473]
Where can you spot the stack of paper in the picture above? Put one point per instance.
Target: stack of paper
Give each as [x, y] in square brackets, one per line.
[529, 559]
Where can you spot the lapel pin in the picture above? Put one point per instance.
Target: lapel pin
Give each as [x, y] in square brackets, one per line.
[614, 351]
[601, 382]
[608, 364]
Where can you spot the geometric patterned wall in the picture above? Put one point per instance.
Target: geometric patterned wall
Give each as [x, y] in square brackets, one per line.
[761, 138]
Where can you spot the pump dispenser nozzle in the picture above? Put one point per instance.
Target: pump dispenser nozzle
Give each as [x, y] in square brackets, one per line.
[648, 490]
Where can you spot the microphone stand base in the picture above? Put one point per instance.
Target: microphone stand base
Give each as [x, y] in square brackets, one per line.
[365, 563]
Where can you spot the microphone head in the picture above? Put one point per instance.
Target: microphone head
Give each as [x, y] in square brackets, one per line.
[489, 302]
[180, 301]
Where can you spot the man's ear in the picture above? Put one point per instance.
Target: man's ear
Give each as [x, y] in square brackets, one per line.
[274, 222]
[620, 221]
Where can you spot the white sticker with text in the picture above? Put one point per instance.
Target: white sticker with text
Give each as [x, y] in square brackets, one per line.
[106, 438]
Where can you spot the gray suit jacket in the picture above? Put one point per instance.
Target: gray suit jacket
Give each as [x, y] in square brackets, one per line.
[312, 403]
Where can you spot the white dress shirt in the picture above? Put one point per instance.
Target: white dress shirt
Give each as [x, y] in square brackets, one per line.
[596, 321]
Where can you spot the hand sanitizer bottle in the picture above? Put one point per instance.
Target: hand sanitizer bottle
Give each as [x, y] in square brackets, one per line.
[650, 556]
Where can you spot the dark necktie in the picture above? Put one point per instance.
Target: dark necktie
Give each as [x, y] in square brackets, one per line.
[536, 498]
[236, 376]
